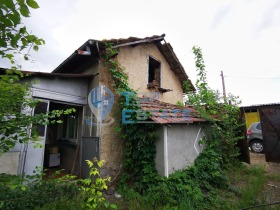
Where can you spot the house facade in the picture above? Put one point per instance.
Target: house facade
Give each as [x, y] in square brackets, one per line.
[154, 71]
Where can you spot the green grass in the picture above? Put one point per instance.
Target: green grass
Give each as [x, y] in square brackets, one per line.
[251, 186]
[247, 186]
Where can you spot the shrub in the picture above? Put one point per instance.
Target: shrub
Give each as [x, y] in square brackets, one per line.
[33, 192]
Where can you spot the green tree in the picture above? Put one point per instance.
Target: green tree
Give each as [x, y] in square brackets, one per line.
[224, 117]
[16, 102]
[14, 36]
[16, 107]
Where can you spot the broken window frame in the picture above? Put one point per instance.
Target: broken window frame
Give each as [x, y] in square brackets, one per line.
[154, 65]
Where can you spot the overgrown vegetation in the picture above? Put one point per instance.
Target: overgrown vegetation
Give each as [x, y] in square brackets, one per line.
[247, 187]
[196, 186]
[66, 192]
[224, 117]
[17, 121]
[16, 103]
[93, 187]
[32, 192]
[18, 125]
[15, 39]
[139, 165]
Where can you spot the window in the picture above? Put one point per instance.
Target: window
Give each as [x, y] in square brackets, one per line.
[154, 71]
[70, 124]
[41, 108]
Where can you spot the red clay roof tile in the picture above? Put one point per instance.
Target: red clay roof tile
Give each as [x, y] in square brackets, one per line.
[164, 113]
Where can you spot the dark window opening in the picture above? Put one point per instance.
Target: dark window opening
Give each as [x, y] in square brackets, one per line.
[154, 71]
[41, 108]
[70, 125]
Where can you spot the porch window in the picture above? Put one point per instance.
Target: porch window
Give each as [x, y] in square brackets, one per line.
[41, 108]
[154, 72]
[70, 124]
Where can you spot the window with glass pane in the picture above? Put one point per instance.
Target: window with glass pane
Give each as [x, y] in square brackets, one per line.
[70, 127]
[41, 108]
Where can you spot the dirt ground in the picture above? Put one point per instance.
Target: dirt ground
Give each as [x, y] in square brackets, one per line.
[259, 159]
[271, 188]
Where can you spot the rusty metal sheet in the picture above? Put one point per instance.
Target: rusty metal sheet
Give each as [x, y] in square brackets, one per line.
[270, 121]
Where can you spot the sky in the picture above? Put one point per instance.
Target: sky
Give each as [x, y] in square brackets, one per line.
[239, 37]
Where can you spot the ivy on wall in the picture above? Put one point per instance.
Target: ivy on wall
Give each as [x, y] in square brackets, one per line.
[196, 185]
[139, 151]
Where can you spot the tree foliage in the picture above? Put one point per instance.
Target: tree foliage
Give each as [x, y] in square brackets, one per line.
[15, 99]
[224, 117]
[16, 102]
[16, 112]
[14, 36]
[194, 187]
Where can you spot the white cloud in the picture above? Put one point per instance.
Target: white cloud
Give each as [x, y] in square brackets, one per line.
[242, 38]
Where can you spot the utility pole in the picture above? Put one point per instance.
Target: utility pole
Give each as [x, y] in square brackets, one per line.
[224, 87]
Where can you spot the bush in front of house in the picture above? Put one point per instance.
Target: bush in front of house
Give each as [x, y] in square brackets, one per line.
[66, 192]
[33, 192]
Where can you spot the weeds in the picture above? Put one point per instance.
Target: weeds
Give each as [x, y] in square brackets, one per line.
[251, 187]
[66, 192]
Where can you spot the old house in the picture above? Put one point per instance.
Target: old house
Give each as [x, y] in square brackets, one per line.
[153, 69]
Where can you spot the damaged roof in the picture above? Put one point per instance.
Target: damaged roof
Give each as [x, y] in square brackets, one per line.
[75, 60]
[165, 113]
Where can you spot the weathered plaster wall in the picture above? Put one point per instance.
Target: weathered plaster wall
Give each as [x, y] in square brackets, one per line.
[94, 70]
[9, 163]
[135, 61]
[111, 148]
[182, 146]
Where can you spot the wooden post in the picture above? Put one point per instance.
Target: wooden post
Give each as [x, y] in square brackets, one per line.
[224, 87]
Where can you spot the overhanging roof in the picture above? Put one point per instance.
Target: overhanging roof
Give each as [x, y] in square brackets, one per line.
[260, 106]
[74, 61]
[46, 74]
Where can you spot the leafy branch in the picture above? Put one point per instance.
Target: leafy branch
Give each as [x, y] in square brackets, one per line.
[14, 37]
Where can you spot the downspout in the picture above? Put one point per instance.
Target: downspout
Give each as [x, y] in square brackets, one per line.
[165, 145]
[100, 124]
[100, 136]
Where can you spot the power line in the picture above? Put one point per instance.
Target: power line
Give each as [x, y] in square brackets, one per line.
[237, 77]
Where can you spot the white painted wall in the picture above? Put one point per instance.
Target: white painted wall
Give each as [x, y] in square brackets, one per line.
[182, 147]
[70, 90]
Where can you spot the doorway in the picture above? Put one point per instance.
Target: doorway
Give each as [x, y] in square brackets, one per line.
[61, 151]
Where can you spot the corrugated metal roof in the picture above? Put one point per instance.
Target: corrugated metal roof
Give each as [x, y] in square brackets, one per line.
[165, 113]
[261, 105]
